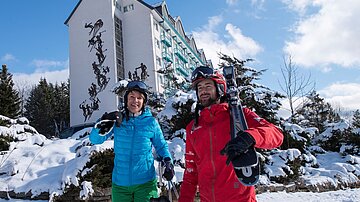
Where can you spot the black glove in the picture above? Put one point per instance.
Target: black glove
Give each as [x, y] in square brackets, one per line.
[114, 116]
[237, 146]
[169, 169]
[107, 121]
[105, 126]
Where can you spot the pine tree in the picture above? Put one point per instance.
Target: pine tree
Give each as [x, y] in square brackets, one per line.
[259, 98]
[39, 108]
[317, 113]
[9, 97]
[61, 107]
[172, 81]
[356, 119]
[48, 107]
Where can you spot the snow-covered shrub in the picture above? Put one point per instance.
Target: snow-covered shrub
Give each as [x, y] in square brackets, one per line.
[98, 171]
[296, 136]
[283, 166]
[339, 137]
[177, 114]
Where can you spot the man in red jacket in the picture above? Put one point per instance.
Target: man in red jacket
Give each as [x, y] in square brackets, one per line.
[208, 135]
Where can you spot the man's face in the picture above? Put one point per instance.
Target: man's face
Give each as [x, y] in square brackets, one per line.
[207, 92]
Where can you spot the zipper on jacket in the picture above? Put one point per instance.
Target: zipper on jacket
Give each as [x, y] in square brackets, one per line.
[131, 154]
[212, 160]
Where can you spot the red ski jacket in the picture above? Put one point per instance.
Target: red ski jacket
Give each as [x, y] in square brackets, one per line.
[206, 170]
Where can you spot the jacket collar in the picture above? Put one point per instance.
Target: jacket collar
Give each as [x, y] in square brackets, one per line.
[214, 112]
[146, 112]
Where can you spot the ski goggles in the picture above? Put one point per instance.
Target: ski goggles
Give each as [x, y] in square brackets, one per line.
[137, 85]
[202, 72]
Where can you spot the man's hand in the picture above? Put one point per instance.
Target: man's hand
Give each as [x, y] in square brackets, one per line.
[169, 169]
[237, 146]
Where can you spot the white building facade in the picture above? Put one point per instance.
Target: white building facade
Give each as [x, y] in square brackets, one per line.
[108, 42]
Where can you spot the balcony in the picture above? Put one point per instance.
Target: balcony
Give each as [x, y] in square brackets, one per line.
[166, 39]
[167, 56]
[182, 70]
[181, 54]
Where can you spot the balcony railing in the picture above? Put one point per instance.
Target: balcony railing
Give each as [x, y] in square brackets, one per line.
[181, 54]
[166, 39]
[182, 70]
[167, 56]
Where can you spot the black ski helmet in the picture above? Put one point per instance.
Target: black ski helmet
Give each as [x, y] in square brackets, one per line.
[139, 86]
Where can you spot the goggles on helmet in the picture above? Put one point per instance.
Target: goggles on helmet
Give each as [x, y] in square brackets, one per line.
[202, 72]
[137, 85]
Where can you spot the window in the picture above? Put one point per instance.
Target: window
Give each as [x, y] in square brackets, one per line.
[131, 7]
[157, 42]
[128, 8]
[118, 43]
[117, 5]
[158, 61]
[119, 48]
[156, 26]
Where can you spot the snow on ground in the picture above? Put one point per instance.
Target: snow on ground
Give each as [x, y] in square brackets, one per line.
[349, 195]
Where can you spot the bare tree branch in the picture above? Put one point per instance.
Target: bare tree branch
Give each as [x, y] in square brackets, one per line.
[294, 85]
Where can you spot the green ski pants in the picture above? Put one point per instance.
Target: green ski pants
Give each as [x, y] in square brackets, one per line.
[135, 193]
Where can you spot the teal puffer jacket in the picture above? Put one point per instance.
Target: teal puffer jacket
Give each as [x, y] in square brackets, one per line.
[133, 141]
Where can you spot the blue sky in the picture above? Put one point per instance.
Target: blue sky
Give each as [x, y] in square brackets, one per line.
[320, 35]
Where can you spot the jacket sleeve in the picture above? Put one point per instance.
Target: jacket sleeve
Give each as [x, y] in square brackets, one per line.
[159, 141]
[266, 135]
[95, 138]
[190, 179]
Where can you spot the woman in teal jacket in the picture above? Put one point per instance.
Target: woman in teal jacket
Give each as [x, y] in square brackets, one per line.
[133, 176]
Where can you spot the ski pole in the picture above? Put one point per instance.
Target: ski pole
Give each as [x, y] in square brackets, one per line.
[169, 191]
[175, 191]
[160, 174]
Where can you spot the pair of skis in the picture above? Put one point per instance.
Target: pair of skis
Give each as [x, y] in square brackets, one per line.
[246, 166]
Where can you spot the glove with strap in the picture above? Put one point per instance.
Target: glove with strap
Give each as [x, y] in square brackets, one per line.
[237, 146]
[108, 120]
[169, 169]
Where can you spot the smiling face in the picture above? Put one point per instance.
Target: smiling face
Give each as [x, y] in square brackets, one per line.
[135, 101]
[206, 91]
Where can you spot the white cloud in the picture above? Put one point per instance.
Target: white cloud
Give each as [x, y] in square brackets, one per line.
[299, 6]
[231, 2]
[347, 95]
[246, 45]
[43, 65]
[34, 78]
[258, 3]
[329, 36]
[233, 43]
[8, 57]
[213, 22]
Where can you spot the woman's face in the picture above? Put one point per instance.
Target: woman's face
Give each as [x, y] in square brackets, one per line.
[135, 101]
